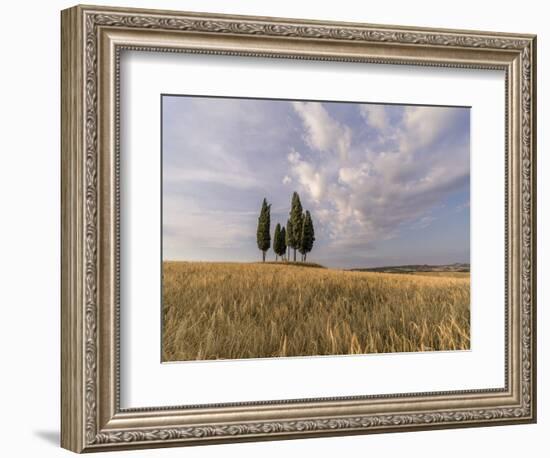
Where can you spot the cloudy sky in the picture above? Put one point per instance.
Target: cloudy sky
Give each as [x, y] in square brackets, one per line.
[385, 184]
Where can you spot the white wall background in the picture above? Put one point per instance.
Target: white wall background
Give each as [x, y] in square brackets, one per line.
[29, 229]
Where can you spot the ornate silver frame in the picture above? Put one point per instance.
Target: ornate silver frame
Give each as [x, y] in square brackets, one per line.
[92, 39]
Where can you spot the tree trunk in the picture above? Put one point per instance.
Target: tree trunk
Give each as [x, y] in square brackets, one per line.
[276, 258]
[263, 256]
[294, 254]
[305, 257]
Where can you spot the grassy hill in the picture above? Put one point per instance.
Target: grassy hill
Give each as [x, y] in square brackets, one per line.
[294, 264]
[233, 311]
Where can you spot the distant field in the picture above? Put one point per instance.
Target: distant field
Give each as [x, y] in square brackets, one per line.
[234, 310]
[462, 268]
[443, 274]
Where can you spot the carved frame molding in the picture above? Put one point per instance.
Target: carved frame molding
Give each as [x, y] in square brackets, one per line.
[92, 39]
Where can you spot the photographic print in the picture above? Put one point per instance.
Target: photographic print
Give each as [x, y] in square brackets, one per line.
[313, 228]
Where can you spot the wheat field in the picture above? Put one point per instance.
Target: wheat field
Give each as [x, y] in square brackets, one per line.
[240, 310]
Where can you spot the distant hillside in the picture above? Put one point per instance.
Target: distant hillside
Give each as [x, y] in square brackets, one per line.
[457, 267]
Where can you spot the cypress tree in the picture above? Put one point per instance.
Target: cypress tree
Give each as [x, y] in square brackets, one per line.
[277, 241]
[296, 219]
[308, 236]
[263, 238]
[312, 231]
[283, 242]
[303, 238]
[289, 238]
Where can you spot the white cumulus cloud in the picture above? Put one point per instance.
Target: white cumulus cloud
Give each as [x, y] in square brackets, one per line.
[323, 133]
[371, 195]
[308, 175]
[375, 115]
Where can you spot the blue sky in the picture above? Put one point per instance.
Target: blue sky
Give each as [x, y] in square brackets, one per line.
[385, 184]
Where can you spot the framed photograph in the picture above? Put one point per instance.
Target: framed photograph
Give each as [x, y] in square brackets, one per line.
[279, 228]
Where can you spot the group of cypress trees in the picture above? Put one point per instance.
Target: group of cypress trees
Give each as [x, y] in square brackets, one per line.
[298, 235]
